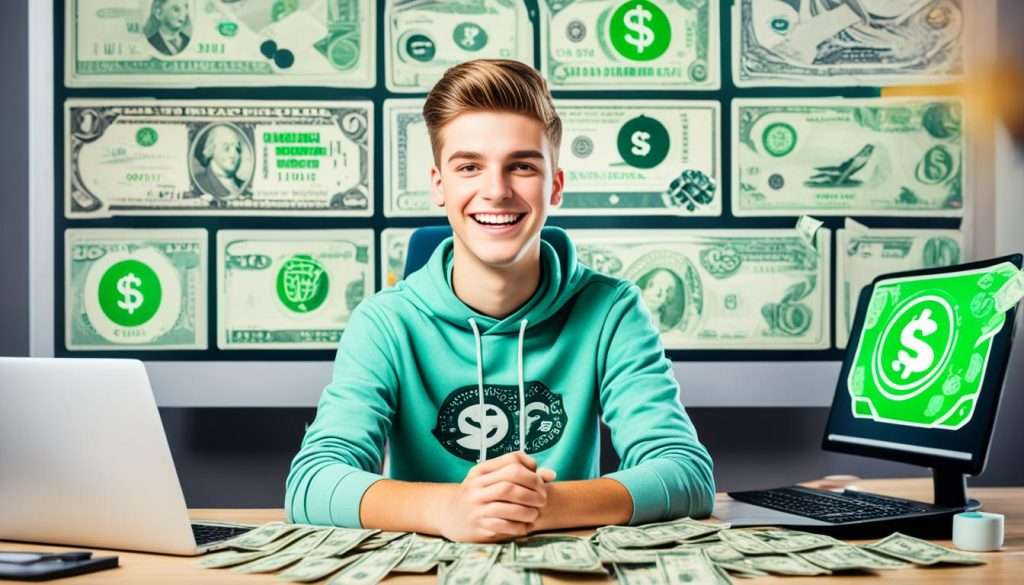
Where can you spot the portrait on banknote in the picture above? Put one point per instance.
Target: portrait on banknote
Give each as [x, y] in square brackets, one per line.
[221, 162]
[169, 28]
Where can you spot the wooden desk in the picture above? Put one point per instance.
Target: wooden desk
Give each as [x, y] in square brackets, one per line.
[150, 568]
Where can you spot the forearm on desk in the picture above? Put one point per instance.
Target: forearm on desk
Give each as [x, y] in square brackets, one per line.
[404, 506]
[589, 502]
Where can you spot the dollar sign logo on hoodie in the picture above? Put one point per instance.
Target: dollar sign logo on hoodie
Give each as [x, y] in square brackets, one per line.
[463, 426]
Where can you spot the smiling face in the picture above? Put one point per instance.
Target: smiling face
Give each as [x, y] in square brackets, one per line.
[497, 185]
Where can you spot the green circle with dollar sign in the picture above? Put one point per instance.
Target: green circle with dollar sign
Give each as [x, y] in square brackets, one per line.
[643, 142]
[302, 284]
[640, 31]
[130, 293]
[915, 347]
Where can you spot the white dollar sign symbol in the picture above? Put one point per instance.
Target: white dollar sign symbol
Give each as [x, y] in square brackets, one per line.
[635, 19]
[924, 356]
[640, 145]
[131, 297]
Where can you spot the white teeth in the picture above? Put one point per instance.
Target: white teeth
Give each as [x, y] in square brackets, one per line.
[496, 218]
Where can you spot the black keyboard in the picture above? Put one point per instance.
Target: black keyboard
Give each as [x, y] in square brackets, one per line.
[207, 533]
[836, 508]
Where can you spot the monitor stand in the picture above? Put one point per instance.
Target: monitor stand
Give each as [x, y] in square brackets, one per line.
[951, 490]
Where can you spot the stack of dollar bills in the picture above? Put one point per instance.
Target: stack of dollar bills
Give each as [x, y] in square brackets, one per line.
[665, 553]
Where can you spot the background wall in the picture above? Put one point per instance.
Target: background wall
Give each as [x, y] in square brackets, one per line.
[239, 456]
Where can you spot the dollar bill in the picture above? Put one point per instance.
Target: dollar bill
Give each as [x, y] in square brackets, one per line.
[817, 42]
[380, 539]
[290, 289]
[863, 254]
[640, 44]
[423, 39]
[635, 158]
[790, 564]
[341, 540]
[839, 156]
[246, 554]
[315, 568]
[638, 573]
[294, 552]
[642, 157]
[422, 555]
[791, 541]
[135, 289]
[655, 534]
[735, 289]
[689, 566]
[394, 244]
[502, 574]
[920, 552]
[193, 43]
[472, 566]
[190, 157]
[555, 552]
[374, 565]
[850, 558]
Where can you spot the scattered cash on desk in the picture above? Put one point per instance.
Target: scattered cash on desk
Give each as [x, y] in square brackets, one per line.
[663, 553]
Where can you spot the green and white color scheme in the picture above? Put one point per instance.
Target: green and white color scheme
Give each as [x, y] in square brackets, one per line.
[642, 157]
[636, 44]
[924, 347]
[394, 244]
[290, 289]
[408, 159]
[815, 43]
[423, 39]
[200, 43]
[863, 254]
[178, 157]
[135, 289]
[836, 156]
[722, 289]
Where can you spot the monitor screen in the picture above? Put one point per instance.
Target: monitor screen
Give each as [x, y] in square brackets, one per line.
[924, 369]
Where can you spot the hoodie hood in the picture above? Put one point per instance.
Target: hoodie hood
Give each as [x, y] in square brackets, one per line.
[560, 278]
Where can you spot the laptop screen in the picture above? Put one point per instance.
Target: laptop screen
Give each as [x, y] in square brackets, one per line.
[924, 369]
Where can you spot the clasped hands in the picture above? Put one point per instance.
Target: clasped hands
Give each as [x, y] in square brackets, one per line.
[500, 499]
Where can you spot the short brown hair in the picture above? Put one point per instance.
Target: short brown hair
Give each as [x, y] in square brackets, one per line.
[491, 85]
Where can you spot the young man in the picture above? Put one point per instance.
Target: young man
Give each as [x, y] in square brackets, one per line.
[488, 369]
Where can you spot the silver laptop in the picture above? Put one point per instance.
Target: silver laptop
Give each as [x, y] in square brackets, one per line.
[84, 460]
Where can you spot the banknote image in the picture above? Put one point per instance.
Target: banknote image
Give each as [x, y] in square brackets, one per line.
[394, 244]
[838, 156]
[846, 42]
[721, 289]
[924, 347]
[135, 289]
[290, 289]
[179, 157]
[423, 39]
[644, 157]
[863, 254]
[640, 44]
[200, 43]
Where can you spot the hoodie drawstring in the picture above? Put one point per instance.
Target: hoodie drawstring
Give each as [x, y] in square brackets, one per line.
[480, 388]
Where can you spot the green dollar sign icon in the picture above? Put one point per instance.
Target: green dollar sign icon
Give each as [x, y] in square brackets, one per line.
[915, 345]
[640, 31]
[302, 284]
[643, 142]
[130, 293]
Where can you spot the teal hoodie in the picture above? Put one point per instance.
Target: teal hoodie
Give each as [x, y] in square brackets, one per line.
[416, 367]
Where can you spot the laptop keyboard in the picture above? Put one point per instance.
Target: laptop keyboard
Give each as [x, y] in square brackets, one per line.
[207, 533]
[849, 506]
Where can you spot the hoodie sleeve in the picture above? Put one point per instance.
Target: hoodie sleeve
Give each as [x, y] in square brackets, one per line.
[343, 448]
[665, 468]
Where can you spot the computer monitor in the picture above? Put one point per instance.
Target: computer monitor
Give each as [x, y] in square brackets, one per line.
[924, 371]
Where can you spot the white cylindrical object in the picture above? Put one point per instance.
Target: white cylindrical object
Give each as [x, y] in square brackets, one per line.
[978, 531]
